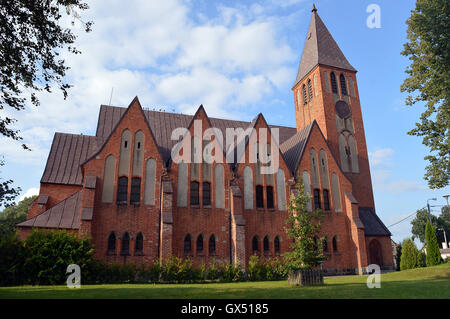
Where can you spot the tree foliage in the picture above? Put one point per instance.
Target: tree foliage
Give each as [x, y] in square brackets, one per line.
[304, 227]
[428, 49]
[439, 224]
[433, 254]
[32, 36]
[13, 215]
[410, 257]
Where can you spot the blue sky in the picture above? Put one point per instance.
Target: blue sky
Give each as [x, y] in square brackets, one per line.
[237, 59]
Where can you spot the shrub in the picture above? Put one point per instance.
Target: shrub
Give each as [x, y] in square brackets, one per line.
[12, 254]
[410, 257]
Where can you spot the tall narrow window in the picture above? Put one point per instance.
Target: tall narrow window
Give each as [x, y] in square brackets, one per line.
[122, 189]
[305, 101]
[315, 242]
[199, 244]
[310, 92]
[111, 244]
[138, 248]
[187, 244]
[259, 196]
[269, 193]
[334, 88]
[212, 245]
[343, 85]
[255, 244]
[266, 244]
[326, 200]
[206, 194]
[194, 193]
[135, 196]
[335, 246]
[317, 199]
[248, 188]
[125, 245]
[325, 244]
[276, 245]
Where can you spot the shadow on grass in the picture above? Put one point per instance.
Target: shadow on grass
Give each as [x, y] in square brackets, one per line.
[438, 287]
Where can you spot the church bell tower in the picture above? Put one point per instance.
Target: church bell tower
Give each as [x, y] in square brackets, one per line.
[326, 90]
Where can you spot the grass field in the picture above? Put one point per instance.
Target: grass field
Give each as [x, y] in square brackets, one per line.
[431, 282]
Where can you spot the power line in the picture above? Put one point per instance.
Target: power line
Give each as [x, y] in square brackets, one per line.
[405, 218]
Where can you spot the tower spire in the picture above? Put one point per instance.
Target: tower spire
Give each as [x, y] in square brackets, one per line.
[320, 48]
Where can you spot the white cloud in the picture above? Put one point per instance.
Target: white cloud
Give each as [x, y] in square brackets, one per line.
[157, 51]
[381, 157]
[30, 192]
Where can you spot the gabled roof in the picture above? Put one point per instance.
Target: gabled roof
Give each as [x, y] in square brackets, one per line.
[294, 147]
[64, 215]
[67, 152]
[320, 48]
[163, 123]
[373, 226]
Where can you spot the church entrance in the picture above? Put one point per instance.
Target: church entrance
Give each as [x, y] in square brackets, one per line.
[375, 255]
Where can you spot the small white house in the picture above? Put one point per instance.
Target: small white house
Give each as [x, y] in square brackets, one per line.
[445, 251]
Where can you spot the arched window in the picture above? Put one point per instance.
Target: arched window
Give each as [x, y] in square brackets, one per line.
[255, 247]
[343, 85]
[266, 244]
[325, 244]
[212, 245]
[138, 154]
[194, 193]
[138, 248]
[206, 194]
[259, 196]
[125, 244]
[187, 244]
[199, 244]
[122, 189]
[135, 196]
[317, 199]
[248, 188]
[109, 177]
[310, 92]
[125, 153]
[269, 193]
[315, 243]
[111, 244]
[334, 88]
[335, 246]
[276, 244]
[305, 101]
[326, 200]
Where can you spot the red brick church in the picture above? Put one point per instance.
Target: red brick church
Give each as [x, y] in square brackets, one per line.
[123, 188]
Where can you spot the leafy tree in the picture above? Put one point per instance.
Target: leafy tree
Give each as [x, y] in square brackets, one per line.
[304, 229]
[433, 254]
[13, 215]
[33, 33]
[428, 49]
[7, 192]
[410, 255]
[439, 223]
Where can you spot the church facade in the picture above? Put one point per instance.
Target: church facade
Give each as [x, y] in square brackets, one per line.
[125, 188]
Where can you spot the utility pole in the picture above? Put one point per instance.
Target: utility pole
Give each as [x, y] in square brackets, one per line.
[428, 206]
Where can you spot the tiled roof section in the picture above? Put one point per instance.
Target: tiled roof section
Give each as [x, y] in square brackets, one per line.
[64, 215]
[293, 148]
[373, 226]
[320, 48]
[163, 123]
[67, 152]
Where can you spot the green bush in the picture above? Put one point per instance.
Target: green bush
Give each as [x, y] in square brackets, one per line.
[42, 259]
[411, 257]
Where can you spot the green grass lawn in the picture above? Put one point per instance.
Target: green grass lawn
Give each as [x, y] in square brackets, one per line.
[431, 282]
